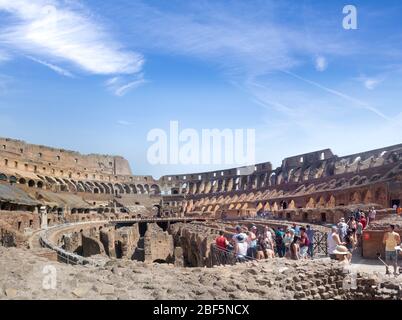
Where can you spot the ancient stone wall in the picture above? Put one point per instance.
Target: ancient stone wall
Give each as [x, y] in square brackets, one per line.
[158, 245]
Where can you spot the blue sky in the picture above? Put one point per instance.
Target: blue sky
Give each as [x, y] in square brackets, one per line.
[96, 76]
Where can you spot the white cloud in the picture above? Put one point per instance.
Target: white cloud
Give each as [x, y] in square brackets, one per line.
[56, 30]
[124, 123]
[321, 63]
[120, 86]
[53, 67]
[237, 38]
[370, 82]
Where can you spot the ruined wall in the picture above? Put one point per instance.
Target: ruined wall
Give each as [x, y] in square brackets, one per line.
[158, 245]
[128, 238]
[91, 246]
[62, 159]
[195, 241]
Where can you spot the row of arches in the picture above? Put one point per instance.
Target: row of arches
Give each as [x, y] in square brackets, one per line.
[96, 187]
[70, 174]
[267, 201]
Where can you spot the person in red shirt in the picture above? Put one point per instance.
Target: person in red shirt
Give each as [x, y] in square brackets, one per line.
[221, 241]
[363, 221]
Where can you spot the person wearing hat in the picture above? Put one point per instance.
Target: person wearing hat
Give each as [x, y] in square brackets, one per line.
[241, 247]
[239, 230]
[343, 255]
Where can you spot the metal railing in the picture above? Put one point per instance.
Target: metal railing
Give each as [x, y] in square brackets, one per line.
[221, 257]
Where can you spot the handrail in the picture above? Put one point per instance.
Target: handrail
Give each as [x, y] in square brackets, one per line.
[228, 256]
[71, 258]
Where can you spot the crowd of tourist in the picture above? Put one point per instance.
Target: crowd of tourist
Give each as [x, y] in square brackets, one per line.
[345, 237]
[248, 244]
[297, 242]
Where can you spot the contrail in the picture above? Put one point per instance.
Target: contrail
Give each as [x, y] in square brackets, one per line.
[340, 94]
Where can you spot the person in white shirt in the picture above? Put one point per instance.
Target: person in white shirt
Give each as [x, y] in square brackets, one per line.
[241, 248]
[239, 231]
[372, 214]
[333, 241]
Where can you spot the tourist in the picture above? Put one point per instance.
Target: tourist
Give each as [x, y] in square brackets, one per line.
[333, 241]
[296, 228]
[264, 250]
[303, 243]
[238, 231]
[310, 234]
[352, 227]
[343, 255]
[352, 223]
[268, 237]
[288, 240]
[359, 233]
[363, 221]
[294, 250]
[221, 241]
[280, 246]
[371, 215]
[241, 248]
[343, 228]
[350, 240]
[357, 214]
[395, 207]
[252, 242]
[391, 240]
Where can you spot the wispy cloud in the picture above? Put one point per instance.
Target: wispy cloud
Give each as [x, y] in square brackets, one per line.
[370, 82]
[124, 123]
[321, 63]
[56, 30]
[120, 86]
[355, 101]
[233, 35]
[53, 67]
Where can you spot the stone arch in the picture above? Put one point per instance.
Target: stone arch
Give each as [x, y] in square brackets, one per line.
[331, 202]
[105, 187]
[31, 183]
[155, 190]
[119, 187]
[127, 189]
[355, 197]
[321, 202]
[311, 203]
[140, 189]
[39, 184]
[22, 181]
[292, 205]
[3, 177]
[368, 197]
[146, 187]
